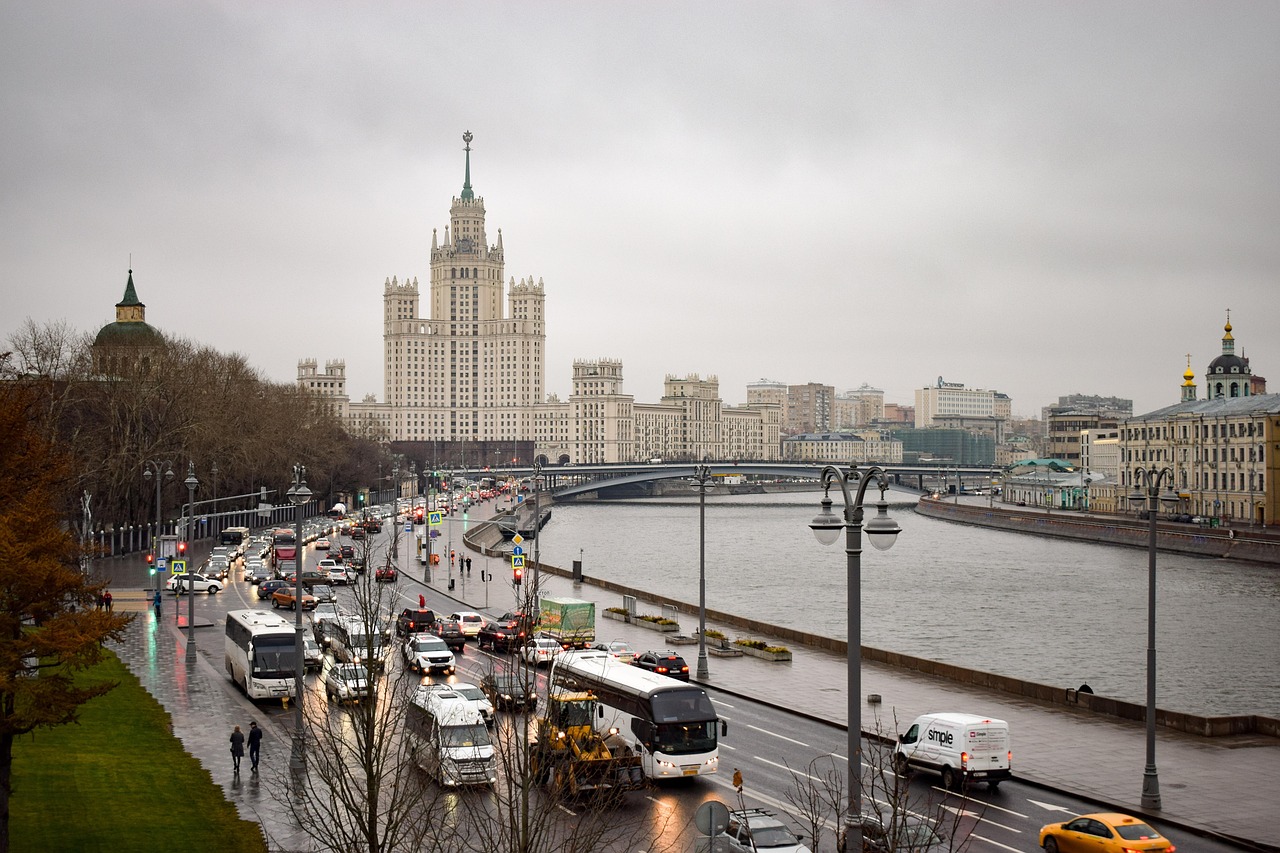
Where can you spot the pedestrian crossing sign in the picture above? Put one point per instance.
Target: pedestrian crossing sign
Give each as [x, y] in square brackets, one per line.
[435, 518]
[179, 567]
[517, 561]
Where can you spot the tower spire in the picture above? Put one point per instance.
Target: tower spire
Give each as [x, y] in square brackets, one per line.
[467, 194]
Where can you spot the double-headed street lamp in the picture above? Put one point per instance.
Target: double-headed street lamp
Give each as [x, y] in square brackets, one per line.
[191, 483]
[882, 532]
[152, 469]
[300, 495]
[1151, 478]
[701, 475]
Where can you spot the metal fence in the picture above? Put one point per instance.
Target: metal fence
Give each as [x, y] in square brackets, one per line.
[116, 541]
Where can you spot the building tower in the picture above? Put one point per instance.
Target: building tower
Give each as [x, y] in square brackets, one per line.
[130, 343]
[1188, 383]
[470, 372]
[1229, 374]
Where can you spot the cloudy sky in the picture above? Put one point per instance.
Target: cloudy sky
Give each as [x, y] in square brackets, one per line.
[1039, 198]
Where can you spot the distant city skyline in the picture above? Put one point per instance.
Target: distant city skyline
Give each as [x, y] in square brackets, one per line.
[1040, 200]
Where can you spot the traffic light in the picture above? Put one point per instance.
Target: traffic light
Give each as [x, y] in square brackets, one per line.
[182, 550]
[151, 563]
[517, 575]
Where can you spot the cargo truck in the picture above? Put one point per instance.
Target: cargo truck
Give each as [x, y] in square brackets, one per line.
[571, 622]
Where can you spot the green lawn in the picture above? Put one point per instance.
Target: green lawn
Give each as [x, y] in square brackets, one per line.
[119, 781]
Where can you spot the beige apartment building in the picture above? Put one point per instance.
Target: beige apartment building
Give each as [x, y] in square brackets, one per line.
[842, 448]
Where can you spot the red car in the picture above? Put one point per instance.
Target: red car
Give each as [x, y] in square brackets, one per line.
[385, 573]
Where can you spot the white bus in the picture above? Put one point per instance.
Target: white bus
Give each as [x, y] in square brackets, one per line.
[235, 538]
[260, 653]
[671, 724]
[449, 739]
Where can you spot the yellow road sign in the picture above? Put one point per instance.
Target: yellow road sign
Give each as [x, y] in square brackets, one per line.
[435, 518]
[178, 567]
[517, 539]
[517, 561]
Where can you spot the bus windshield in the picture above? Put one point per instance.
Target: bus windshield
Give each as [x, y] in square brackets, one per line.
[273, 656]
[472, 735]
[685, 738]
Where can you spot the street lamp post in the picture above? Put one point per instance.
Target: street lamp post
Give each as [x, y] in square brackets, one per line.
[300, 495]
[152, 471]
[702, 475]
[1151, 479]
[191, 484]
[537, 523]
[882, 531]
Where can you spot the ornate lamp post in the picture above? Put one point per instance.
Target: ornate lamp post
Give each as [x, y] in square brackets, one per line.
[299, 494]
[1151, 479]
[191, 483]
[882, 532]
[151, 471]
[702, 474]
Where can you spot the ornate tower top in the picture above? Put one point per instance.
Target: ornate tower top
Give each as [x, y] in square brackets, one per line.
[467, 194]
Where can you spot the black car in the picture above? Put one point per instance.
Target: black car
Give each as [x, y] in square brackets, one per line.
[668, 663]
[507, 691]
[266, 589]
[413, 620]
[503, 634]
[451, 632]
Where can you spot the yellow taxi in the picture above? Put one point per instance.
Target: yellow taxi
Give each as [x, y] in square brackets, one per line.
[1106, 832]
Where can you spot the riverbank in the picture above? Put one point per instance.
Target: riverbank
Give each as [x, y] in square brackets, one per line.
[1259, 545]
[486, 538]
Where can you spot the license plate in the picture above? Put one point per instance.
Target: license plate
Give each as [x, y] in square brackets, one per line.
[691, 771]
[979, 774]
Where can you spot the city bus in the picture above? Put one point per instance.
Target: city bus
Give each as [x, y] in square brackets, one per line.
[235, 538]
[260, 653]
[671, 724]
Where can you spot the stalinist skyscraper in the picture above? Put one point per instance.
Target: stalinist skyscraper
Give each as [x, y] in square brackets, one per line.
[470, 371]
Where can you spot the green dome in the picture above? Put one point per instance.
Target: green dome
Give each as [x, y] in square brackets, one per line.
[133, 334]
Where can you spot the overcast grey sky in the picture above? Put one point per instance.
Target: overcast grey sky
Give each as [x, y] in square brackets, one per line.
[1042, 199]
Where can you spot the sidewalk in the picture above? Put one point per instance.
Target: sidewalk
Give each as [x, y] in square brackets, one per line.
[1218, 786]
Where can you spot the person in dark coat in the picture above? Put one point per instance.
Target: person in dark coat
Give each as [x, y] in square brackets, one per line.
[237, 748]
[255, 744]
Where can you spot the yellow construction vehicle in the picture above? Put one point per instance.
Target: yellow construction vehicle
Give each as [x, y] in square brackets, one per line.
[572, 757]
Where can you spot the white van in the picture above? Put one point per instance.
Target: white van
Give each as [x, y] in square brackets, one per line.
[958, 747]
[449, 739]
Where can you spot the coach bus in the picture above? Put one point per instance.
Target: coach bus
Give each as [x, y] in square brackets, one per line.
[261, 653]
[671, 724]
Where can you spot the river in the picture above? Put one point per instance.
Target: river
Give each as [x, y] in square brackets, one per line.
[1045, 610]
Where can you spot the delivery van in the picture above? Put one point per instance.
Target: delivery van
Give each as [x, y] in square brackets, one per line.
[961, 748]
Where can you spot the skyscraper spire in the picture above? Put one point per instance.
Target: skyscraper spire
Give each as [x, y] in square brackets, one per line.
[467, 194]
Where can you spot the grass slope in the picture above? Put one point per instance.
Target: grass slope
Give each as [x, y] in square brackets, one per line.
[119, 781]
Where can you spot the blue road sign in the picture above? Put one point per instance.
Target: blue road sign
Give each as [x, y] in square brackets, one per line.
[517, 550]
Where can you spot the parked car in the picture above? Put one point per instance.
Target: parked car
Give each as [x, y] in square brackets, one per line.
[618, 650]
[285, 597]
[413, 620]
[540, 650]
[471, 622]
[345, 682]
[667, 663]
[268, 587]
[427, 653]
[507, 691]
[451, 632]
[1104, 832]
[180, 584]
[386, 573]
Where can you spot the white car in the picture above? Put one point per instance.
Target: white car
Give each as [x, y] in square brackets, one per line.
[540, 650]
[427, 653]
[470, 621]
[476, 698]
[181, 583]
[322, 544]
[750, 830]
[618, 650]
[345, 682]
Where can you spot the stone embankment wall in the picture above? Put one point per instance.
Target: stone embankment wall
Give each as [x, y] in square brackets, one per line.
[486, 536]
[1257, 545]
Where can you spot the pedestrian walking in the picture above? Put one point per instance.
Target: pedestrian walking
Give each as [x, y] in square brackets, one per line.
[102, 601]
[737, 779]
[158, 603]
[107, 601]
[468, 567]
[237, 748]
[255, 744]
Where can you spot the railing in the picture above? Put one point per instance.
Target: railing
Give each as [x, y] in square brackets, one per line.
[117, 541]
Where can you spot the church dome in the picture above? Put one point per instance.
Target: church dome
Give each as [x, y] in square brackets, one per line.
[1228, 364]
[131, 328]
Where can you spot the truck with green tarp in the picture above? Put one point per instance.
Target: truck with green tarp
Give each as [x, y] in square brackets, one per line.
[571, 622]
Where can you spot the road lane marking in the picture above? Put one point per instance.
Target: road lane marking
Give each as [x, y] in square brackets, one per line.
[725, 704]
[979, 817]
[993, 842]
[778, 736]
[787, 767]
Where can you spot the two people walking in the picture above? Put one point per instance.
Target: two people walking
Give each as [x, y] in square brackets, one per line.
[238, 743]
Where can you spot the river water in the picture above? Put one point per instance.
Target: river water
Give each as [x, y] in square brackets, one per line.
[1045, 610]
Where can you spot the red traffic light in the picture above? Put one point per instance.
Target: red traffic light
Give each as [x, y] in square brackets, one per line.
[182, 548]
[151, 558]
[517, 575]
